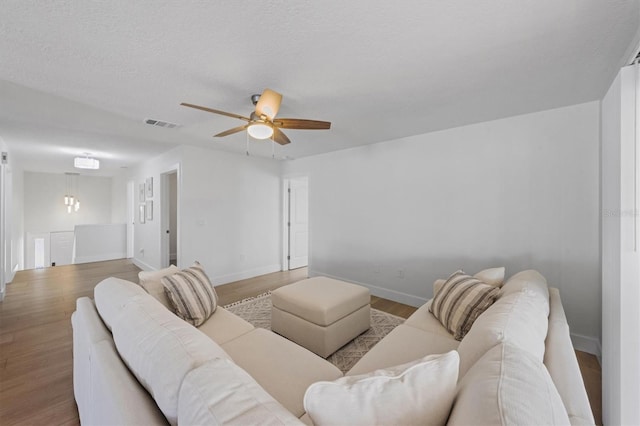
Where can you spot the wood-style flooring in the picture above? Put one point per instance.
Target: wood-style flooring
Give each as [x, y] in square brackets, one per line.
[36, 364]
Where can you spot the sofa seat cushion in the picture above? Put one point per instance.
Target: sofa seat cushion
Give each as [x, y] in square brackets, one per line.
[518, 318]
[281, 367]
[160, 349]
[223, 326]
[321, 300]
[404, 344]
[111, 296]
[402, 395]
[424, 320]
[220, 393]
[507, 386]
[151, 282]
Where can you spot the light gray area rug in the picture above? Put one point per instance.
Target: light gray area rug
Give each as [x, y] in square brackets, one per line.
[257, 311]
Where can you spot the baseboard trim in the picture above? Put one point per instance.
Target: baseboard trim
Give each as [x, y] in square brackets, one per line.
[396, 296]
[100, 257]
[587, 344]
[144, 266]
[237, 276]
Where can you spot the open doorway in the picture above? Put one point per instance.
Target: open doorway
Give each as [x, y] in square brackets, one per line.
[296, 212]
[169, 220]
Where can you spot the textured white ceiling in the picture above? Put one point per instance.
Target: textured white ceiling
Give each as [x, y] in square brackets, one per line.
[81, 75]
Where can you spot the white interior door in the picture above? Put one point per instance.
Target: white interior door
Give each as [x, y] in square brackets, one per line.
[298, 223]
[61, 248]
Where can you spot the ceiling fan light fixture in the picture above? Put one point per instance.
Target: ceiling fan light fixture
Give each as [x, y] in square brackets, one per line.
[260, 130]
[86, 163]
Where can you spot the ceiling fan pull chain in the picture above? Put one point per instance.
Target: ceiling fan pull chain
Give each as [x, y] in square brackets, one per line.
[273, 146]
[247, 146]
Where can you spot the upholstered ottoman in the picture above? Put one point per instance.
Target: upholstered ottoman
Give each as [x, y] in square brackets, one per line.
[321, 314]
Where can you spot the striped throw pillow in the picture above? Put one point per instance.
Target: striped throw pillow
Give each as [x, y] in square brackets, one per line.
[192, 294]
[460, 301]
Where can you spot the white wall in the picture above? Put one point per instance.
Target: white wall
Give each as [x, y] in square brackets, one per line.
[17, 219]
[620, 254]
[44, 209]
[521, 192]
[119, 198]
[228, 213]
[96, 243]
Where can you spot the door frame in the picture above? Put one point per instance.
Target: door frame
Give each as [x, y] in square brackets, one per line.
[286, 212]
[165, 255]
[131, 217]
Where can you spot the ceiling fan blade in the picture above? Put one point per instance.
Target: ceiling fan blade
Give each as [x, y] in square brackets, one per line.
[301, 124]
[280, 137]
[231, 131]
[215, 111]
[268, 104]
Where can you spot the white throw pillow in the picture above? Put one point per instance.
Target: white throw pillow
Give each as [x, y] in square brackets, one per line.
[508, 386]
[150, 281]
[491, 276]
[419, 392]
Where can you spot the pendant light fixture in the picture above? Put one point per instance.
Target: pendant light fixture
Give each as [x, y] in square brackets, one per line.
[71, 201]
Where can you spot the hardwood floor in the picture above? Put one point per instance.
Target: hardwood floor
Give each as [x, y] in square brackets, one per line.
[36, 382]
[36, 364]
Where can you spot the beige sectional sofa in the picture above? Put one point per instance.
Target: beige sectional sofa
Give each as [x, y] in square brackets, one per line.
[135, 362]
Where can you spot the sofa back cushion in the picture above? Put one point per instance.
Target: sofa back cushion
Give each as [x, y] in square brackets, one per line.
[219, 393]
[507, 386]
[151, 282]
[519, 318]
[160, 349]
[530, 281]
[112, 295]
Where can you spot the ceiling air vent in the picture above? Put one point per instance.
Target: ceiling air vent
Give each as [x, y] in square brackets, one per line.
[160, 123]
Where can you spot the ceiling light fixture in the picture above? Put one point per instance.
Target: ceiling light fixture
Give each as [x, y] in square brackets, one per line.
[86, 163]
[260, 130]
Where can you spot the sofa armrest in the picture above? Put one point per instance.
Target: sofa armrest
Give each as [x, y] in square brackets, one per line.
[560, 359]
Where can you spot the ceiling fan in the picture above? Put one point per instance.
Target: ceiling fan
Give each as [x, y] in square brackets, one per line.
[262, 123]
